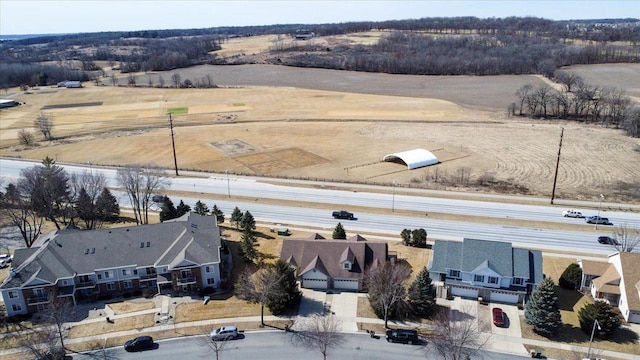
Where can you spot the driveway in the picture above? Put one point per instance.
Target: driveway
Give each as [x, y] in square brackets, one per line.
[343, 305]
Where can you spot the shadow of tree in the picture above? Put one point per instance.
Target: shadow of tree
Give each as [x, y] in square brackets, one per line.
[567, 299]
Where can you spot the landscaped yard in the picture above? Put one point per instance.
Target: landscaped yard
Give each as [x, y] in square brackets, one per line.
[104, 327]
[130, 306]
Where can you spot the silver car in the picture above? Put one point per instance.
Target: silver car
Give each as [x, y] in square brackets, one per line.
[224, 333]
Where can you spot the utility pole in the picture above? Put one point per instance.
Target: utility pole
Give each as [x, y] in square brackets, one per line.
[555, 177]
[173, 143]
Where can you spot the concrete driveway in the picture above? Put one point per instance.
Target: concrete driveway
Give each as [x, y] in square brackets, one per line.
[343, 305]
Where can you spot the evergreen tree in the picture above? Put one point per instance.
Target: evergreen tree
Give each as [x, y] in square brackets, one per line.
[419, 238]
[247, 246]
[542, 310]
[571, 277]
[406, 237]
[182, 208]
[201, 208]
[339, 233]
[86, 209]
[607, 317]
[290, 295]
[236, 217]
[107, 207]
[168, 210]
[422, 295]
[247, 222]
[215, 211]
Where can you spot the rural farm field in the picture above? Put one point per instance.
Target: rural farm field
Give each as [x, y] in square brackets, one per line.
[326, 124]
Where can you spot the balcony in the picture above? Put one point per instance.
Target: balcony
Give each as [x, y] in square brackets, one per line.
[37, 300]
[186, 280]
[88, 284]
[147, 276]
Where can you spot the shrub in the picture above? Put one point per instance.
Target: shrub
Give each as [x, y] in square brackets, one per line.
[571, 277]
[149, 293]
[607, 317]
[126, 295]
[103, 297]
[137, 292]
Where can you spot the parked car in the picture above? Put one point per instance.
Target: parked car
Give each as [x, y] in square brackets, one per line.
[342, 214]
[402, 336]
[597, 220]
[6, 257]
[572, 213]
[224, 333]
[498, 317]
[138, 344]
[607, 240]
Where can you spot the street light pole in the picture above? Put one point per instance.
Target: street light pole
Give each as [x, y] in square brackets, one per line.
[599, 207]
[595, 322]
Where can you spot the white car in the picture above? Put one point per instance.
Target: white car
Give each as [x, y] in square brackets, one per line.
[224, 333]
[572, 213]
[5, 259]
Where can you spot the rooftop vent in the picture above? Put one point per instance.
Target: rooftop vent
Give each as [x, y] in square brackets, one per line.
[86, 251]
[93, 250]
[141, 245]
[148, 243]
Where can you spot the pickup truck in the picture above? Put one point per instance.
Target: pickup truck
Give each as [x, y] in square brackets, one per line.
[342, 214]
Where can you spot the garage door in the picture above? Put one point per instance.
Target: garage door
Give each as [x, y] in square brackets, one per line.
[314, 283]
[346, 284]
[464, 292]
[498, 296]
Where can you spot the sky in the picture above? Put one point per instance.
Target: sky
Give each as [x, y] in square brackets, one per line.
[23, 17]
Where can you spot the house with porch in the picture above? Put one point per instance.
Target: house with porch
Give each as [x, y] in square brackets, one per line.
[616, 281]
[182, 255]
[322, 263]
[493, 270]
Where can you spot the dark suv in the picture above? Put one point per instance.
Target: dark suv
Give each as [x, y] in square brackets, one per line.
[607, 240]
[342, 214]
[140, 343]
[402, 336]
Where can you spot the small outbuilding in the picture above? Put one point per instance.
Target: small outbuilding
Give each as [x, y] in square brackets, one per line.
[4, 103]
[414, 159]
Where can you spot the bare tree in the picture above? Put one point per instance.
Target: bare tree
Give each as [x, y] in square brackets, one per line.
[386, 287]
[259, 287]
[59, 311]
[140, 183]
[318, 332]
[91, 182]
[175, 79]
[25, 137]
[16, 210]
[44, 124]
[626, 237]
[47, 341]
[456, 335]
[569, 80]
[214, 345]
[522, 94]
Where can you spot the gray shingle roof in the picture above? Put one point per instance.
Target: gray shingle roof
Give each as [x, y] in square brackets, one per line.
[67, 252]
[472, 254]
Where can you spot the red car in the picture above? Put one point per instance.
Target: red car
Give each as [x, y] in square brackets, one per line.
[498, 317]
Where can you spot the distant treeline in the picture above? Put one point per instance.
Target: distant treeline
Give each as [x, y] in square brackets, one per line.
[463, 45]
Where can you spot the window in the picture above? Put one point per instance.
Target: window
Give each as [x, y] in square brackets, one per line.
[454, 273]
[13, 294]
[126, 272]
[478, 278]
[111, 286]
[346, 265]
[16, 307]
[64, 283]
[108, 274]
[128, 284]
[99, 276]
[493, 280]
[211, 281]
[517, 281]
[207, 269]
[39, 293]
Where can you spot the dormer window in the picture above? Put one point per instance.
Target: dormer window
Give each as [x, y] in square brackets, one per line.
[346, 265]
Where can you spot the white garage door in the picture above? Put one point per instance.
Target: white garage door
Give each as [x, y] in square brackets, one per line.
[498, 296]
[347, 284]
[464, 292]
[314, 283]
[634, 317]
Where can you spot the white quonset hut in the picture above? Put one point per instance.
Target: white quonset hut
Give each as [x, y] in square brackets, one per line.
[414, 159]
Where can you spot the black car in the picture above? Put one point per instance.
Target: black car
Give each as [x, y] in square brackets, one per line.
[138, 344]
[607, 240]
[402, 336]
[342, 214]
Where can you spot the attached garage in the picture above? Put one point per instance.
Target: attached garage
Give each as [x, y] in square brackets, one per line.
[464, 292]
[314, 283]
[346, 284]
[504, 297]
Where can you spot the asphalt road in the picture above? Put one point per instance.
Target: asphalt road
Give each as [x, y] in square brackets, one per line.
[271, 345]
[541, 238]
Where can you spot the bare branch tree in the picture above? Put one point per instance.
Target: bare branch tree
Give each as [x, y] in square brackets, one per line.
[259, 287]
[214, 345]
[25, 137]
[318, 332]
[140, 184]
[22, 215]
[456, 335]
[44, 124]
[91, 182]
[626, 237]
[386, 286]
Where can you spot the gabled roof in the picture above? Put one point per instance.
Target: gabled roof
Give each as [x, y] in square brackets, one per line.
[631, 275]
[472, 254]
[315, 264]
[69, 252]
[315, 236]
[304, 253]
[347, 255]
[609, 281]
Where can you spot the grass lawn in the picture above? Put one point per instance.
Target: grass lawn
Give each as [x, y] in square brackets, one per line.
[553, 267]
[103, 327]
[217, 309]
[126, 307]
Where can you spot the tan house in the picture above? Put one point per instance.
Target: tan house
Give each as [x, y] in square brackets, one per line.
[182, 255]
[333, 264]
[616, 281]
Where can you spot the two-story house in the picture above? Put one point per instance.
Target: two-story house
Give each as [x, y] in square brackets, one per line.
[183, 254]
[493, 270]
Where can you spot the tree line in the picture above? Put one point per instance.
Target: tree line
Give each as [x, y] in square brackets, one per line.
[578, 101]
